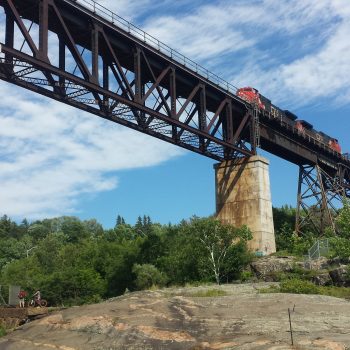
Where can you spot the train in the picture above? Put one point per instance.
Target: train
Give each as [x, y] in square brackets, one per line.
[253, 96]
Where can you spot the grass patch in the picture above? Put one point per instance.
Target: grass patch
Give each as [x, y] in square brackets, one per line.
[338, 292]
[2, 331]
[209, 293]
[298, 286]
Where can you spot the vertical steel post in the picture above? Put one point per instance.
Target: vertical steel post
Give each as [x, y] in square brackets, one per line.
[228, 126]
[252, 129]
[61, 61]
[173, 96]
[202, 117]
[94, 52]
[9, 33]
[139, 86]
[105, 84]
[297, 214]
[138, 76]
[173, 100]
[43, 29]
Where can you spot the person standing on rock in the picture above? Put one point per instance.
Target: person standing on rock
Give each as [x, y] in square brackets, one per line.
[21, 296]
[37, 297]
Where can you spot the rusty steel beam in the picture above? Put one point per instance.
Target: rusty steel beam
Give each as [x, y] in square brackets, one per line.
[85, 84]
[156, 96]
[320, 195]
[152, 92]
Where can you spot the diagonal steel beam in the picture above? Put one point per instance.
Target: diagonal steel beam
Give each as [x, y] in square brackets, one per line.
[188, 100]
[216, 115]
[156, 83]
[118, 65]
[72, 46]
[10, 5]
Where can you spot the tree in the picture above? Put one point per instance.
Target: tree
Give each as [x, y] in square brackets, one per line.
[217, 239]
[93, 228]
[343, 219]
[74, 229]
[120, 221]
[181, 257]
[148, 275]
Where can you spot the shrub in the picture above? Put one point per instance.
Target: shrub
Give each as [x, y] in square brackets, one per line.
[298, 286]
[337, 292]
[246, 276]
[2, 331]
[340, 247]
[148, 275]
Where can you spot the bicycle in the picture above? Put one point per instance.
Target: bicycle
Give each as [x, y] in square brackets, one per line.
[36, 302]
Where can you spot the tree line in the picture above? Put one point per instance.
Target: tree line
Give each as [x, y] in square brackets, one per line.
[73, 261]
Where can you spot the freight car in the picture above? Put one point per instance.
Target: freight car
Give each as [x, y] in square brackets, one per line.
[253, 96]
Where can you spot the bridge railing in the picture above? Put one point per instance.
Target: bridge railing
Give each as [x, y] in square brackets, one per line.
[140, 34]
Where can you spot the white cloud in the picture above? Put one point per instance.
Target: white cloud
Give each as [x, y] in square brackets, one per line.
[130, 9]
[291, 50]
[51, 154]
[322, 73]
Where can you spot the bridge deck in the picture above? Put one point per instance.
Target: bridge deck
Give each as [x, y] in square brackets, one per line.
[122, 74]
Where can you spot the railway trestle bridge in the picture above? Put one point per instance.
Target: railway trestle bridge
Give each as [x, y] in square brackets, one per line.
[79, 53]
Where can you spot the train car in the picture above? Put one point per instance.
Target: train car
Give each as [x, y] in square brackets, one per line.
[253, 96]
[328, 140]
[290, 115]
[250, 95]
[321, 136]
[303, 125]
[334, 144]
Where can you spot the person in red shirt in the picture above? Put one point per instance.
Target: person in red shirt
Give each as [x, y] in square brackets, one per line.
[21, 296]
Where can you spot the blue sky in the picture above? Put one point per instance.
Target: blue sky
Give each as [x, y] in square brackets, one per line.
[56, 160]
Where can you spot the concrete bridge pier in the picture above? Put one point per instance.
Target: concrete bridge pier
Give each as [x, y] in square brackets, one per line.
[243, 197]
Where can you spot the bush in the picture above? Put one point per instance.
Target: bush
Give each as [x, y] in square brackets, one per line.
[337, 292]
[2, 331]
[339, 247]
[298, 286]
[246, 276]
[148, 275]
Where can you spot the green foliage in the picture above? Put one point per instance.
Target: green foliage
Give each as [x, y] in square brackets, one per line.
[221, 245]
[297, 286]
[338, 292]
[148, 275]
[73, 286]
[74, 229]
[74, 262]
[286, 239]
[209, 293]
[339, 247]
[246, 276]
[120, 221]
[343, 219]
[2, 331]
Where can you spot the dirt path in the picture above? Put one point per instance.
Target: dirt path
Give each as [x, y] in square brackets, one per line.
[178, 319]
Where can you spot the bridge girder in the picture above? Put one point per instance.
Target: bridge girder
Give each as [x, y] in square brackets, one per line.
[105, 73]
[61, 50]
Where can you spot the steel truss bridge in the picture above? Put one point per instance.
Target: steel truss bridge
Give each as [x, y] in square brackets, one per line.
[79, 53]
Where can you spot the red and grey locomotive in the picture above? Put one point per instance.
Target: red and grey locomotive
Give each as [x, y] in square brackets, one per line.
[253, 96]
